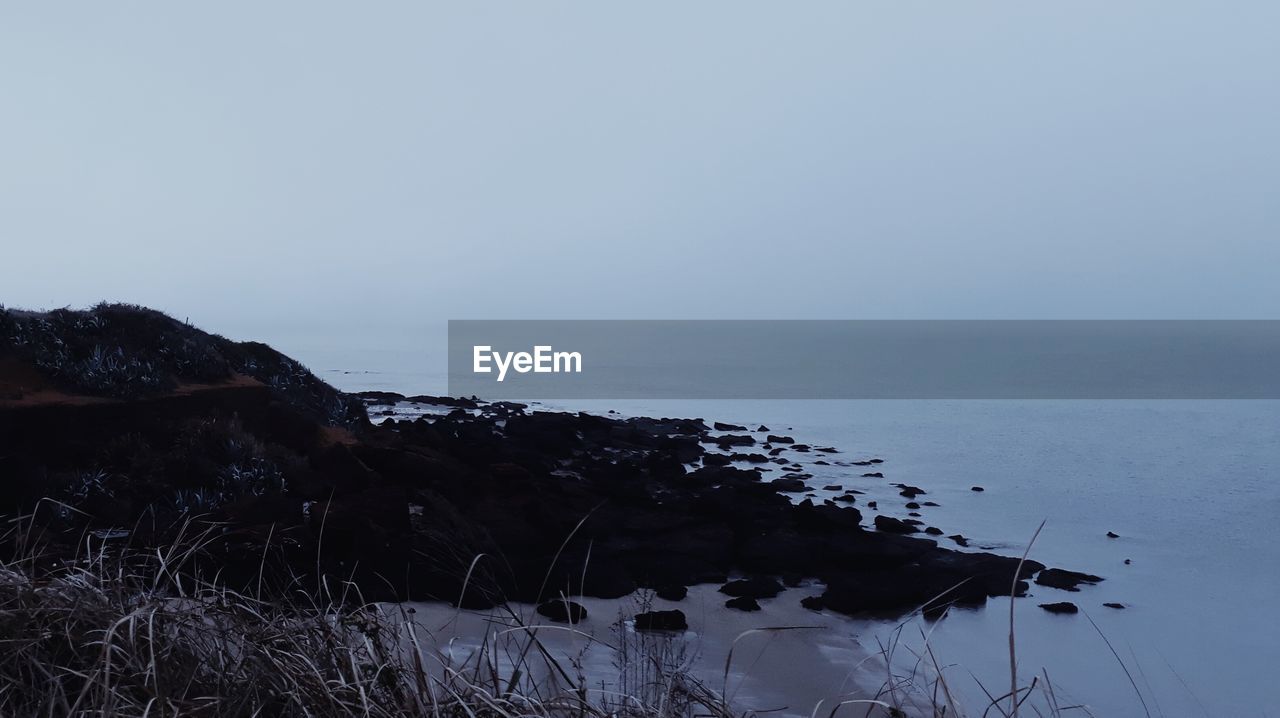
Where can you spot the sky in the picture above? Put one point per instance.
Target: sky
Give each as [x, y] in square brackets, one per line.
[316, 164]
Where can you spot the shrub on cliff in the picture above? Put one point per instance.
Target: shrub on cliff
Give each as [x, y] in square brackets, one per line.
[124, 351]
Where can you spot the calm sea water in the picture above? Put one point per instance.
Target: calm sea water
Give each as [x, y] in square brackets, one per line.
[1192, 487]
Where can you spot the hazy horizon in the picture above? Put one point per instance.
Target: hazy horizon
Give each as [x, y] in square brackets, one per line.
[313, 164]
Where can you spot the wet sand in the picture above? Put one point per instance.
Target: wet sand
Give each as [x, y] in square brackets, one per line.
[815, 664]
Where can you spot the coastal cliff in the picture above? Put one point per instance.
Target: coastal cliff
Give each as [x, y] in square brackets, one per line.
[125, 424]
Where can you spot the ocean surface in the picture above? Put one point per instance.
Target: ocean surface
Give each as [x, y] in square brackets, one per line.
[1191, 487]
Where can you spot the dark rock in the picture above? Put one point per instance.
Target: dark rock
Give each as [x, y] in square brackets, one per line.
[873, 475]
[772, 439]
[813, 603]
[1114, 605]
[752, 587]
[672, 620]
[846, 498]
[1112, 534]
[791, 486]
[762, 427]
[888, 524]
[828, 450]
[719, 426]
[933, 531]
[743, 603]
[710, 459]
[1060, 607]
[562, 611]
[671, 592]
[960, 540]
[912, 505]
[977, 488]
[911, 491]
[832, 487]
[456, 402]
[1066, 580]
[733, 440]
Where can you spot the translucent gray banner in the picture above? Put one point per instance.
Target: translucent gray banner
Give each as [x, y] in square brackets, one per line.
[864, 359]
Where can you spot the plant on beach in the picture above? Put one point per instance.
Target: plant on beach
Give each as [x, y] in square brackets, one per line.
[123, 632]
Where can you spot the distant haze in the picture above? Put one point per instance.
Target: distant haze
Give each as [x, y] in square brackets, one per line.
[394, 164]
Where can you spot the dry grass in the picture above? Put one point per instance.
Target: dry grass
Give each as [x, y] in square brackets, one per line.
[139, 633]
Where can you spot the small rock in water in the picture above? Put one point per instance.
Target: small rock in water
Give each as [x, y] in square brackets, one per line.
[1114, 605]
[562, 611]
[813, 603]
[1127, 562]
[1064, 579]
[911, 491]
[1060, 607]
[846, 499]
[672, 620]
[772, 439]
[752, 588]
[833, 487]
[720, 426]
[762, 427]
[912, 505]
[674, 592]
[932, 531]
[871, 504]
[976, 488]
[743, 603]
[959, 539]
[1112, 534]
[873, 475]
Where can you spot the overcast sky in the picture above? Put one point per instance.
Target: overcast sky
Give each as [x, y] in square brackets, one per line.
[321, 163]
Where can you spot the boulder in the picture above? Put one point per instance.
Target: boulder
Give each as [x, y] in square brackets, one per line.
[1064, 579]
[888, 524]
[562, 611]
[1065, 607]
[752, 588]
[673, 620]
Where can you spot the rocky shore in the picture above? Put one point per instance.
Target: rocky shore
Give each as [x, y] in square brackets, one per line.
[470, 503]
